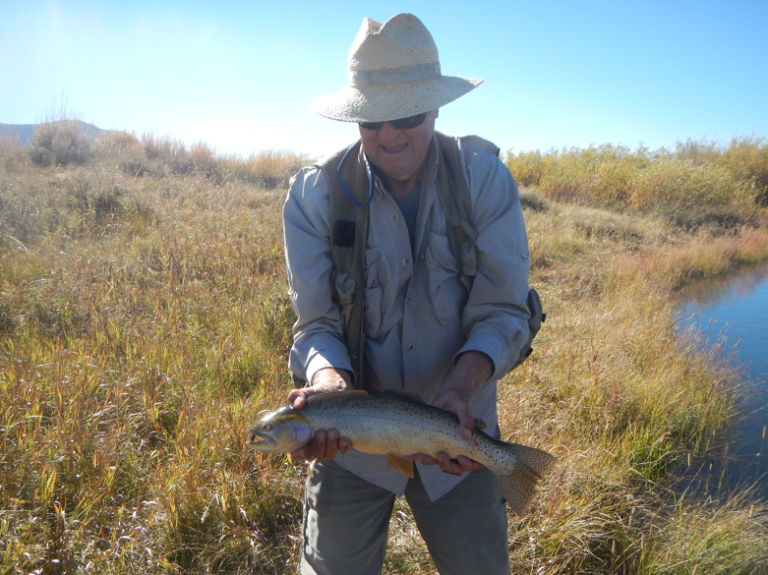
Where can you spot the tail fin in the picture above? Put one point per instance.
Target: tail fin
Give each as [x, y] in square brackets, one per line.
[518, 487]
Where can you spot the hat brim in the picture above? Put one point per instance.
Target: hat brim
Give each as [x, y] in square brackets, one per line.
[381, 103]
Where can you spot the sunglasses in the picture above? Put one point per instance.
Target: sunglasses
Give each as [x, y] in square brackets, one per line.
[400, 124]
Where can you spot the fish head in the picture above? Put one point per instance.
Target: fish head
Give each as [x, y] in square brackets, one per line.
[280, 431]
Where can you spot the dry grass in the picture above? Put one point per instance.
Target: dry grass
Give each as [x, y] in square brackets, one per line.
[697, 179]
[144, 322]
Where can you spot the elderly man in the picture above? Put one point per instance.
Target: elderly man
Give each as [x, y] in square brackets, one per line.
[424, 327]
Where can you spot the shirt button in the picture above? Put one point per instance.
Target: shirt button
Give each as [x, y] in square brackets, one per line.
[404, 262]
[397, 217]
[409, 346]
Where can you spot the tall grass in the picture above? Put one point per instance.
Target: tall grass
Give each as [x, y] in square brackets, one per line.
[732, 178]
[163, 156]
[145, 321]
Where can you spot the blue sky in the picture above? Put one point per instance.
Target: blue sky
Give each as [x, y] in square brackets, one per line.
[240, 75]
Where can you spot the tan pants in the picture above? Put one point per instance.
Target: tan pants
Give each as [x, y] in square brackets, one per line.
[346, 522]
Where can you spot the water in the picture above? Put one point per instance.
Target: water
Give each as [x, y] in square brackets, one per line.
[733, 313]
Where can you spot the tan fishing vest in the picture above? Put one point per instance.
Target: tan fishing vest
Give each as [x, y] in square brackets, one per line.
[350, 193]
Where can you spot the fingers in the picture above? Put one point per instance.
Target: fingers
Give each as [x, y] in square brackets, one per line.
[468, 464]
[458, 405]
[324, 381]
[424, 459]
[297, 398]
[466, 421]
[457, 466]
[325, 444]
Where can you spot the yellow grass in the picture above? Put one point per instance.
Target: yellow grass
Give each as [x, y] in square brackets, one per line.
[144, 322]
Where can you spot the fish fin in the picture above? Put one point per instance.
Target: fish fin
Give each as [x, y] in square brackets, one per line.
[518, 487]
[401, 463]
[405, 394]
[480, 424]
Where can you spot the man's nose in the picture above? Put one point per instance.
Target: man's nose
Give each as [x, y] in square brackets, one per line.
[388, 131]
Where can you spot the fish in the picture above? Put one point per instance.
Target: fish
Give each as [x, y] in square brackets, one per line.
[398, 424]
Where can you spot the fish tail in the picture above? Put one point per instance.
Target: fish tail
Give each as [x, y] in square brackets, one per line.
[518, 487]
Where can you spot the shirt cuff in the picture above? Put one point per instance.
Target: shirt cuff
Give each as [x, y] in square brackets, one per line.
[495, 348]
[318, 361]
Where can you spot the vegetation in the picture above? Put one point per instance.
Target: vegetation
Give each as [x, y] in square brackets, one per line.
[145, 321]
[722, 179]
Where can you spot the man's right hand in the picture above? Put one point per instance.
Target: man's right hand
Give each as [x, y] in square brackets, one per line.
[324, 443]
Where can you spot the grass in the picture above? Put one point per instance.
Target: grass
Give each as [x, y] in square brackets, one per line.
[698, 174]
[144, 322]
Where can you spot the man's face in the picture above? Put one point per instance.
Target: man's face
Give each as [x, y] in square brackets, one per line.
[399, 154]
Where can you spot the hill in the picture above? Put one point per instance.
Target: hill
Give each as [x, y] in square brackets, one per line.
[26, 131]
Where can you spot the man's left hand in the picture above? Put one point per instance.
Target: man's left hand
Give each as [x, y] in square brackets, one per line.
[471, 371]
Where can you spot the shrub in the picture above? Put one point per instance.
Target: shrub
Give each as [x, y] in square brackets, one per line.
[12, 155]
[118, 144]
[681, 183]
[697, 177]
[169, 152]
[747, 158]
[62, 142]
[532, 201]
[528, 167]
[596, 175]
[269, 168]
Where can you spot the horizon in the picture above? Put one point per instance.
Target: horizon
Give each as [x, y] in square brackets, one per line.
[240, 78]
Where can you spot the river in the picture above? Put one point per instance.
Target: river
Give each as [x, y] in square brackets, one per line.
[733, 312]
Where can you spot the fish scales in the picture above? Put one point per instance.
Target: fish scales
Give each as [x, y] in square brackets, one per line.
[397, 426]
[406, 429]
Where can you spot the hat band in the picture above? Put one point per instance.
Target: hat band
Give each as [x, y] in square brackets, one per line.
[394, 75]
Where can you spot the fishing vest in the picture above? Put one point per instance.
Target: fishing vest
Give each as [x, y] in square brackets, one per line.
[350, 192]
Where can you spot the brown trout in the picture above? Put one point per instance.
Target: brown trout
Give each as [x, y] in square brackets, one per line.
[399, 424]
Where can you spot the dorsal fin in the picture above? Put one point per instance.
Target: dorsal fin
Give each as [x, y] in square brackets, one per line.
[480, 424]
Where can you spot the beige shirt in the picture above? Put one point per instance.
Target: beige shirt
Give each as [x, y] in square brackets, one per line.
[415, 324]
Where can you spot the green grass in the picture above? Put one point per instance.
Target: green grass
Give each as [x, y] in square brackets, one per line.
[145, 321]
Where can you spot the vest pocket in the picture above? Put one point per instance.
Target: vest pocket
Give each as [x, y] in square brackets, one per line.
[444, 286]
[373, 292]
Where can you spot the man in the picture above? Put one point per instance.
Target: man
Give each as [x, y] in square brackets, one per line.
[421, 331]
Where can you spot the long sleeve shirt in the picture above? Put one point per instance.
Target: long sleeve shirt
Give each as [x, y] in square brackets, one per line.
[415, 320]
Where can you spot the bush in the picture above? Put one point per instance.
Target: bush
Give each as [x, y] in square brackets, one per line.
[722, 183]
[681, 183]
[596, 175]
[747, 158]
[532, 201]
[528, 167]
[269, 168]
[118, 144]
[61, 142]
[12, 155]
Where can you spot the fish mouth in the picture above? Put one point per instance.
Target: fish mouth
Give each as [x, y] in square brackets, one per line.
[261, 442]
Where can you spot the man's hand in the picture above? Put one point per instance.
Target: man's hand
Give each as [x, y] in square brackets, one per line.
[324, 443]
[472, 370]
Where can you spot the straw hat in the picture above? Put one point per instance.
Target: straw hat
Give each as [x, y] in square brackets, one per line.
[394, 72]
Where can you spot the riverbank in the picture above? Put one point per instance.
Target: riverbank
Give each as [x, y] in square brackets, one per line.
[144, 322]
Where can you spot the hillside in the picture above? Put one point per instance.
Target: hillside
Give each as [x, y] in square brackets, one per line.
[26, 131]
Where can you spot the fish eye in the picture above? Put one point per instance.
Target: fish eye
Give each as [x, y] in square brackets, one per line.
[266, 427]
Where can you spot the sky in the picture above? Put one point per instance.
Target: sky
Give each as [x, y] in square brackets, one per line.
[240, 76]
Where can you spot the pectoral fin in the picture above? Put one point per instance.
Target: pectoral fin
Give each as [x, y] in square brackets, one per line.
[401, 463]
